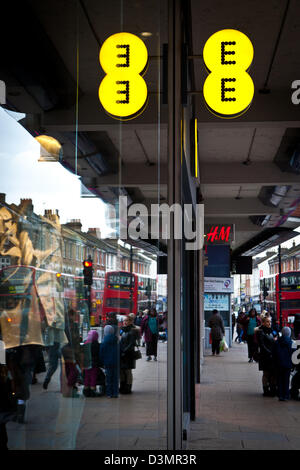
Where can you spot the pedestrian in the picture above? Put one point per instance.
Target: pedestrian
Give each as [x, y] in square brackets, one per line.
[274, 324]
[112, 320]
[54, 354]
[138, 321]
[71, 353]
[127, 361]
[149, 328]
[239, 327]
[263, 314]
[266, 343]
[165, 325]
[217, 331]
[91, 363]
[136, 329]
[250, 322]
[233, 323]
[283, 359]
[110, 358]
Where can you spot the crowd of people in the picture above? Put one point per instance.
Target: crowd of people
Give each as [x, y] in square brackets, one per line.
[100, 368]
[273, 350]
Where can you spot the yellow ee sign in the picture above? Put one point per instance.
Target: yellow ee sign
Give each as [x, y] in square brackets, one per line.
[123, 92]
[228, 90]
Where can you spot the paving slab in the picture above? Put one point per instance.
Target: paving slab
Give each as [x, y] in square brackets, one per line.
[136, 421]
[233, 414]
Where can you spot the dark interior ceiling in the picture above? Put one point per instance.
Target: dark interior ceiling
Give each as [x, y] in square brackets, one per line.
[52, 65]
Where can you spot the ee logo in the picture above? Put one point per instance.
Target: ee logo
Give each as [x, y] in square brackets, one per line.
[228, 90]
[123, 92]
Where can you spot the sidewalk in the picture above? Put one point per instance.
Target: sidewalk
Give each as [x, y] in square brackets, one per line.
[233, 414]
[136, 421]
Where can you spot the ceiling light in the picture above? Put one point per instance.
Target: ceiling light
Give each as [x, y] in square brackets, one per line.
[146, 34]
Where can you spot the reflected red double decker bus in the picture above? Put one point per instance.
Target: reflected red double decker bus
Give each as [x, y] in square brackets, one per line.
[120, 293]
[290, 296]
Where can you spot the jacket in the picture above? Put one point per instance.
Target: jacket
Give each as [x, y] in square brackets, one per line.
[245, 323]
[217, 327]
[127, 346]
[266, 343]
[145, 330]
[283, 353]
[110, 351]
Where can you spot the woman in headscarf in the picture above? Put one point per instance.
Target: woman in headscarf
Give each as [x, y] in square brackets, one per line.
[149, 328]
[283, 359]
[109, 357]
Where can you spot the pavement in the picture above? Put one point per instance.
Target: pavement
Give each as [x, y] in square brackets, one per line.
[136, 422]
[231, 412]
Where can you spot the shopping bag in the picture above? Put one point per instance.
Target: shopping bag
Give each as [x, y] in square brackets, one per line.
[223, 345]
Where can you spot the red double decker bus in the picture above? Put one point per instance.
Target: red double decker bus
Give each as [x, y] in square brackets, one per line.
[290, 296]
[120, 293]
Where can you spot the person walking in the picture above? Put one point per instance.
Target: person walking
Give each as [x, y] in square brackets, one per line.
[266, 342]
[283, 359]
[54, 354]
[137, 322]
[149, 328]
[233, 323]
[138, 319]
[110, 358]
[250, 323]
[216, 325]
[239, 327]
[127, 361]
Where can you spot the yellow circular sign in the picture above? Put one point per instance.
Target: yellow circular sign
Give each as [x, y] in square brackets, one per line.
[123, 92]
[228, 90]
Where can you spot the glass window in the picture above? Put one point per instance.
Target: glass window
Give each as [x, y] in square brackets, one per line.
[65, 162]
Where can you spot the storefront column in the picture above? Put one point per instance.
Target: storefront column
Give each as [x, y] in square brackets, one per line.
[174, 246]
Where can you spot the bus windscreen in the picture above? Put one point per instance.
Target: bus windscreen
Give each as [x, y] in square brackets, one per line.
[290, 282]
[15, 280]
[120, 281]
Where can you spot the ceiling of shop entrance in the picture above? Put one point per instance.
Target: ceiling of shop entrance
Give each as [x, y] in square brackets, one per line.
[245, 174]
[244, 162]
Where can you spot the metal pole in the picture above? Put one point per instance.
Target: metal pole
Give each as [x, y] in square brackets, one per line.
[279, 287]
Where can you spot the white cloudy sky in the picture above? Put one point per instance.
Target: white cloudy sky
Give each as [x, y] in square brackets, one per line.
[48, 184]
